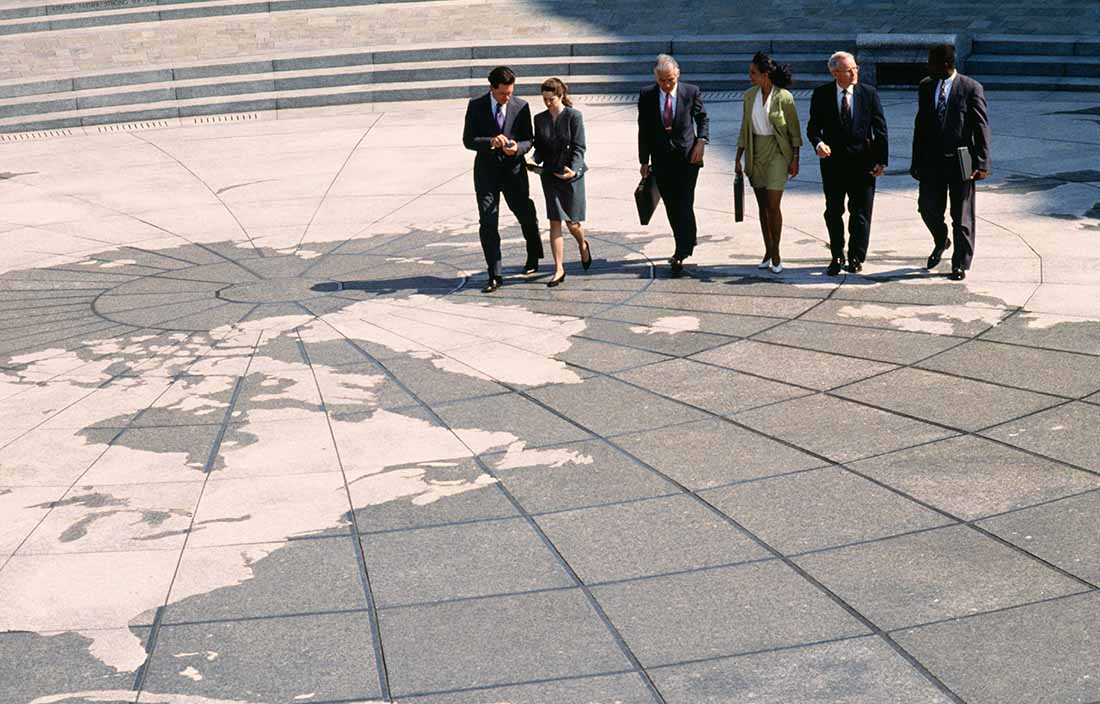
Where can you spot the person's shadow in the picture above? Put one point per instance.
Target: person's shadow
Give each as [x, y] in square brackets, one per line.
[434, 285]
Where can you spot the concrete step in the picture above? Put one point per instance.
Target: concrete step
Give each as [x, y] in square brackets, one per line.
[630, 73]
[68, 116]
[1042, 83]
[1036, 65]
[1036, 45]
[30, 18]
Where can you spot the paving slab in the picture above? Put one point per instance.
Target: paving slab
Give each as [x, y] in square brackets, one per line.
[496, 641]
[686, 452]
[1014, 656]
[453, 562]
[219, 660]
[817, 509]
[591, 473]
[1061, 532]
[934, 576]
[971, 477]
[854, 671]
[670, 534]
[843, 431]
[720, 612]
[946, 399]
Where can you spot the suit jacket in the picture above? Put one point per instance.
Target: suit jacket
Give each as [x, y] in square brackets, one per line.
[480, 128]
[689, 124]
[866, 142]
[560, 144]
[965, 125]
[784, 118]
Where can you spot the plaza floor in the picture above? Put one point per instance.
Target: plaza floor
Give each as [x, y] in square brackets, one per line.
[262, 439]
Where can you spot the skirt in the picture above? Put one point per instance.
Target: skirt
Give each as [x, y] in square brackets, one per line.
[564, 199]
[769, 167]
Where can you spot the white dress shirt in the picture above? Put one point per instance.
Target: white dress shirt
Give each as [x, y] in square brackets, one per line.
[761, 123]
[851, 90]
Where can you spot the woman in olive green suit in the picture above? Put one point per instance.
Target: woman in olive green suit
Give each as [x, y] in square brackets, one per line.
[770, 138]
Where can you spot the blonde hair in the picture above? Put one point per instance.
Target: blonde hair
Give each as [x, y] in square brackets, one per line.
[559, 88]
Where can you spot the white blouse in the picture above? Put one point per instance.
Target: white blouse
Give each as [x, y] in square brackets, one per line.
[761, 123]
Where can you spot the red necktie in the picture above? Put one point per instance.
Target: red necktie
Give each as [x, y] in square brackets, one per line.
[668, 112]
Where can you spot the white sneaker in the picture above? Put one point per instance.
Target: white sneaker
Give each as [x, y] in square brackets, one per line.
[766, 263]
[776, 269]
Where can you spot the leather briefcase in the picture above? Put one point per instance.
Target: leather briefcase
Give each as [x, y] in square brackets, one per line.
[647, 196]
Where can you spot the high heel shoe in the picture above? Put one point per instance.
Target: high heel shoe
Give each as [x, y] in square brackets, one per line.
[587, 262]
[765, 263]
[554, 282]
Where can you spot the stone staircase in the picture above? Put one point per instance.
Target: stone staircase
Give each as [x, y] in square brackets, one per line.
[1036, 62]
[591, 67]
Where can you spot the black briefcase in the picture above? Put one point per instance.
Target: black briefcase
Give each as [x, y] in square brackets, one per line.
[738, 197]
[647, 197]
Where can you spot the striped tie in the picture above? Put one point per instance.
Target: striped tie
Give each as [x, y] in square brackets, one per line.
[941, 104]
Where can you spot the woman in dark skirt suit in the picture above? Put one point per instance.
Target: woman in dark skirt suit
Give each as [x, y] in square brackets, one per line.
[559, 148]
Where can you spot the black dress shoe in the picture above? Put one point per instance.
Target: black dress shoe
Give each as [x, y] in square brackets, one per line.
[587, 261]
[855, 266]
[530, 267]
[937, 254]
[677, 266]
[957, 274]
[494, 283]
[554, 282]
[835, 266]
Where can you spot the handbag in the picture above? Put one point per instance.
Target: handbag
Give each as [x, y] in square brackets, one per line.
[646, 197]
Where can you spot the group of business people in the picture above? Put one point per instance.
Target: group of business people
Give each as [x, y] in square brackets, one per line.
[847, 128]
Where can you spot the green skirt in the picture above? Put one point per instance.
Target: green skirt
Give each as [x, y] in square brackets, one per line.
[769, 167]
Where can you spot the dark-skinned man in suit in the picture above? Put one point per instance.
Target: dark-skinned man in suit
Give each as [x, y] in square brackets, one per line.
[951, 113]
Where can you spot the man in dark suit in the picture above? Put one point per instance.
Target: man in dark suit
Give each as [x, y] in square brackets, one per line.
[848, 130]
[950, 114]
[498, 127]
[673, 130]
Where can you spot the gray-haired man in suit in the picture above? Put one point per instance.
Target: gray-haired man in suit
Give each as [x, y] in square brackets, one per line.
[951, 113]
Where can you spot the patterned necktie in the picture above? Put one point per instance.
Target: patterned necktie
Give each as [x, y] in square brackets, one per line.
[500, 116]
[941, 104]
[667, 116]
[845, 110]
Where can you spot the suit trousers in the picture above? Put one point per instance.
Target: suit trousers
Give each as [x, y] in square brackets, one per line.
[517, 194]
[848, 178]
[937, 183]
[676, 182]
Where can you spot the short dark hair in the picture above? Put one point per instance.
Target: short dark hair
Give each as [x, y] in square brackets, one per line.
[501, 76]
[942, 54]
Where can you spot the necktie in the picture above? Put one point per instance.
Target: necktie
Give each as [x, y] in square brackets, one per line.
[845, 110]
[500, 116]
[667, 116]
[941, 104]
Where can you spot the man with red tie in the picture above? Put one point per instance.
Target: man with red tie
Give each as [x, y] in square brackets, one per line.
[673, 129]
